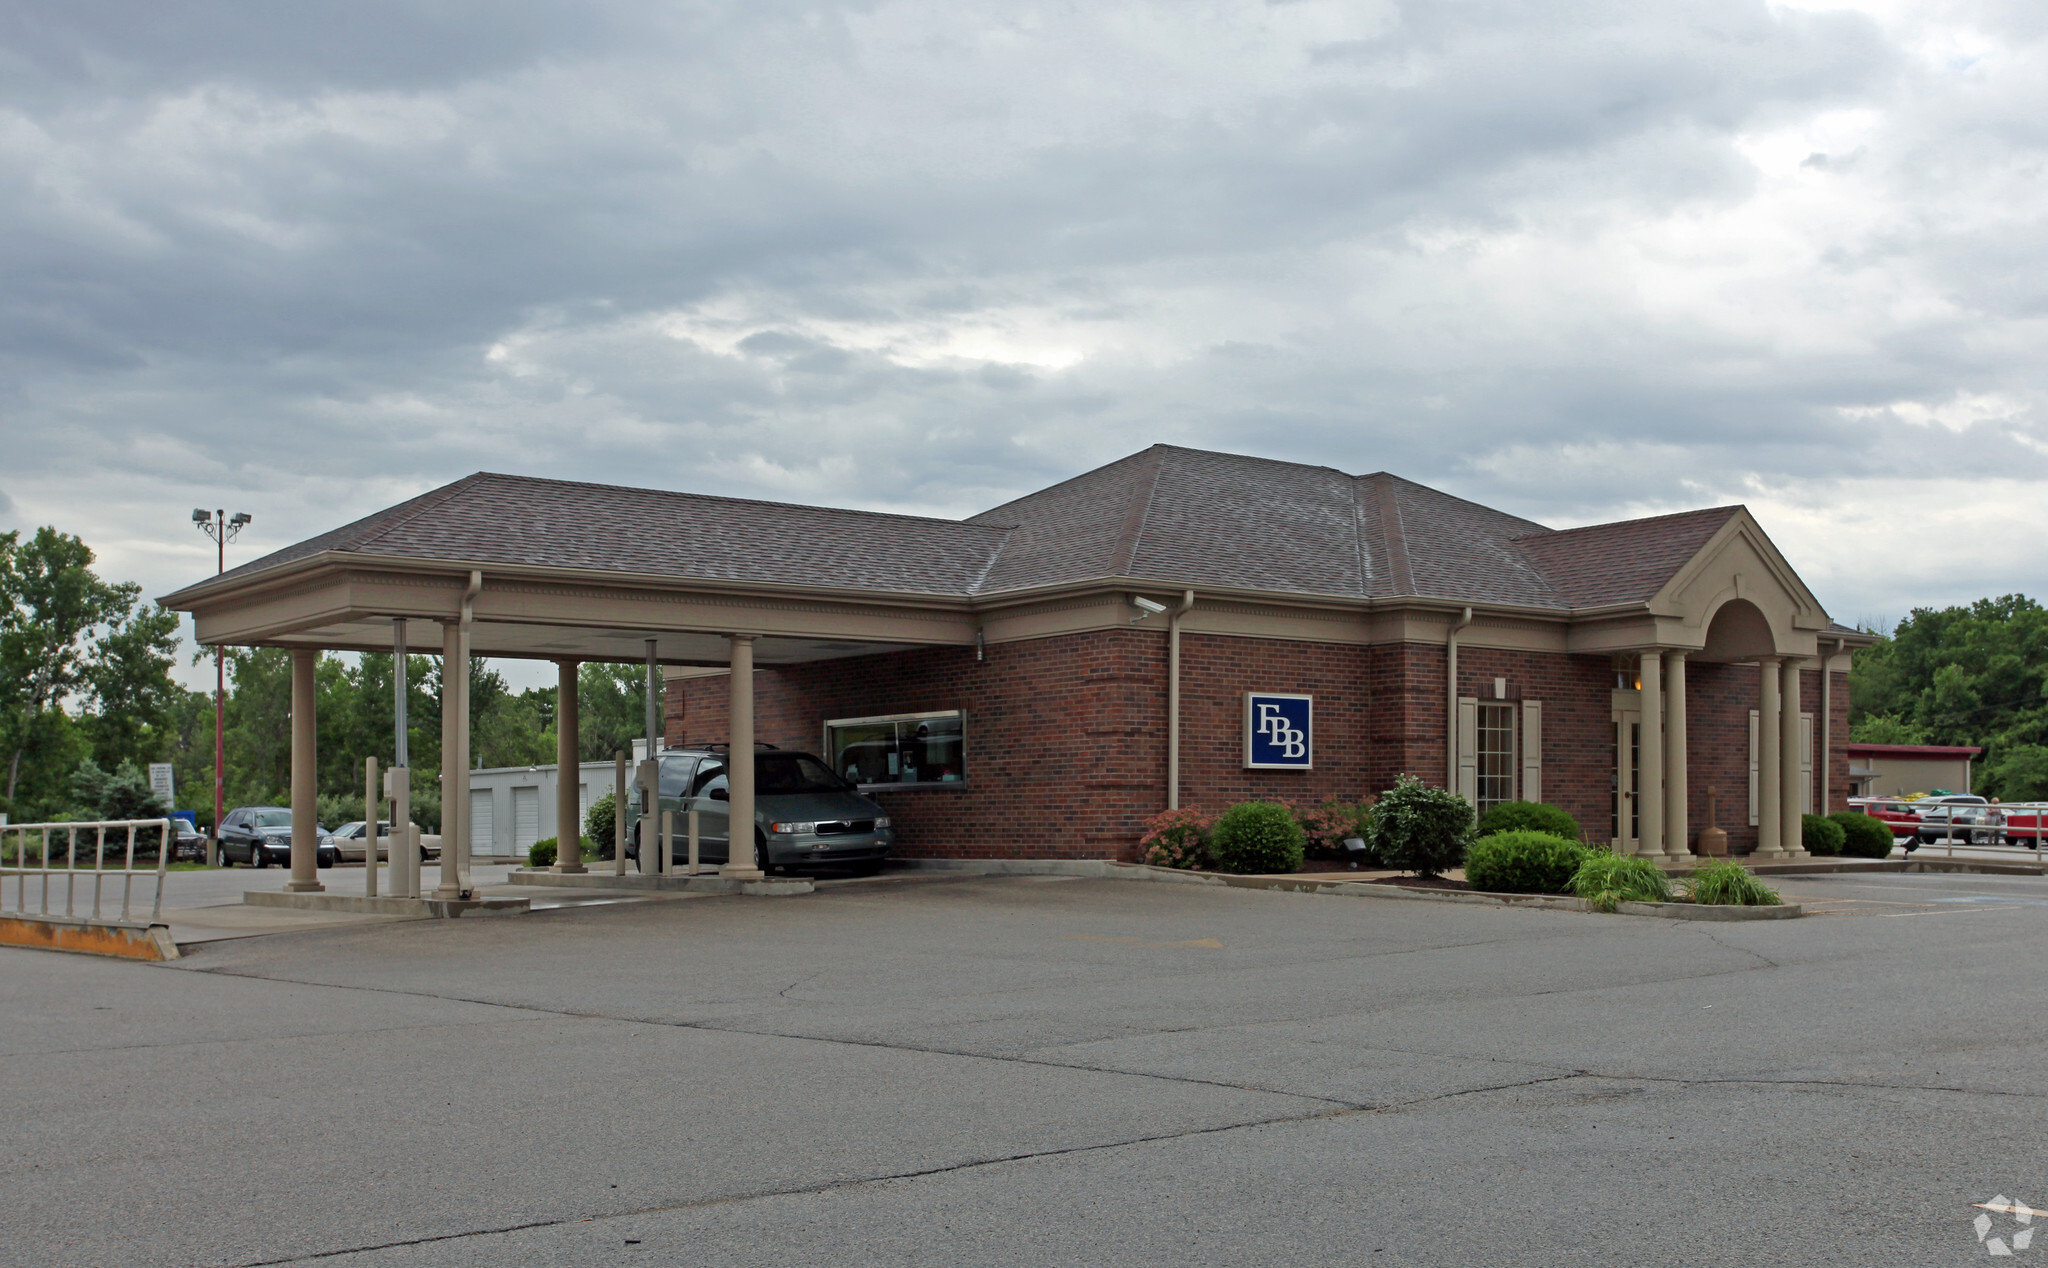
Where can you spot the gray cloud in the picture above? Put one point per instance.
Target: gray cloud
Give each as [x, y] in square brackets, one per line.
[1575, 259]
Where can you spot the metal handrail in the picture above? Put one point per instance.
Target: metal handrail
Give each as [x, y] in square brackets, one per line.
[22, 871]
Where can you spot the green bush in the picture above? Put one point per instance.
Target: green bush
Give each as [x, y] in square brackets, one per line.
[1605, 880]
[542, 852]
[1420, 828]
[1820, 834]
[1177, 838]
[1730, 884]
[599, 825]
[1524, 862]
[1256, 837]
[1863, 836]
[1530, 816]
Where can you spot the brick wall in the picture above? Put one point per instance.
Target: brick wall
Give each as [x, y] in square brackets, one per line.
[1066, 751]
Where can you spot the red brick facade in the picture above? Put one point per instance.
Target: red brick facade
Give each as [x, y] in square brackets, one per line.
[1066, 755]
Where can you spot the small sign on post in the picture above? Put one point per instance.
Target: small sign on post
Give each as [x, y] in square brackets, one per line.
[163, 783]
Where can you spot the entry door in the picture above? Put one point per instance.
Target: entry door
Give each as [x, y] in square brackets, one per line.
[1628, 747]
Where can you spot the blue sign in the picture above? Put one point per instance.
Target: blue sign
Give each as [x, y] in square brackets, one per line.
[1279, 731]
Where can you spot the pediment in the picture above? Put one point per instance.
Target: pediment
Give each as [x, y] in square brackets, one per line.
[1740, 562]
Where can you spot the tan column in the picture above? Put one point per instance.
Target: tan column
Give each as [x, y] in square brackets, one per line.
[739, 851]
[1769, 808]
[1650, 757]
[305, 775]
[1790, 814]
[1677, 830]
[454, 760]
[568, 829]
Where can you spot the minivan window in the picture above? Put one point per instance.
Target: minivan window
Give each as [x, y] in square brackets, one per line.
[794, 773]
[675, 775]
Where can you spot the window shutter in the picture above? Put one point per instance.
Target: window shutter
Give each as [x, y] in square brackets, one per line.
[1468, 748]
[1532, 750]
[1753, 716]
[1806, 763]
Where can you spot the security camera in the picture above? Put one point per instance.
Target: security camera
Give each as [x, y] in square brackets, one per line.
[1145, 608]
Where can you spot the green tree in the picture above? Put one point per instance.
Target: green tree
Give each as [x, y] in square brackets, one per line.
[53, 601]
[1963, 675]
[128, 684]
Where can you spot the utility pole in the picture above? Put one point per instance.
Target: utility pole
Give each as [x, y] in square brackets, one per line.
[222, 530]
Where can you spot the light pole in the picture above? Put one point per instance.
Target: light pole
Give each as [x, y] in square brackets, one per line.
[222, 529]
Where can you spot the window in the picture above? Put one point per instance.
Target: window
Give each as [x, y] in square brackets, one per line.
[1496, 753]
[911, 748]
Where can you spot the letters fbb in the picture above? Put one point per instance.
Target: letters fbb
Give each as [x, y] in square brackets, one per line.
[1279, 731]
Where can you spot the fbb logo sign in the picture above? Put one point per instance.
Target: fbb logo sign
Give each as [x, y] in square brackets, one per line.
[1279, 731]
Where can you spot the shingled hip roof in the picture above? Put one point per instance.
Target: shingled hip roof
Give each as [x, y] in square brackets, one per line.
[1168, 515]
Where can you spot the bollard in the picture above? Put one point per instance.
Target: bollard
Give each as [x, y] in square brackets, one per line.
[693, 842]
[373, 809]
[668, 842]
[619, 813]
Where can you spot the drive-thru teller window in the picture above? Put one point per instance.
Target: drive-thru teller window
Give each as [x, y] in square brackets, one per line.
[906, 748]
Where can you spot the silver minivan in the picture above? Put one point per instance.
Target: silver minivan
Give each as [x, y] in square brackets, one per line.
[804, 815]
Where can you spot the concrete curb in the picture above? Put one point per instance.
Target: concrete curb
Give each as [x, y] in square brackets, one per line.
[1844, 866]
[128, 939]
[358, 904]
[1701, 911]
[1309, 883]
[770, 887]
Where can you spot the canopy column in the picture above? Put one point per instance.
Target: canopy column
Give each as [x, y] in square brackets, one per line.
[1650, 758]
[1770, 806]
[568, 829]
[305, 775]
[739, 852]
[454, 762]
[1792, 810]
[1677, 830]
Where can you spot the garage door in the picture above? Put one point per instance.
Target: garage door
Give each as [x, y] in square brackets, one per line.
[480, 821]
[525, 818]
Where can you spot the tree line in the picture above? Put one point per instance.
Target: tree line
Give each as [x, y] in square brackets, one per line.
[88, 700]
[1963, 675]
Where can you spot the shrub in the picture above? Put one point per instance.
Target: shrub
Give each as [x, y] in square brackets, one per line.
[1419, 828]
[1530, 816]
[1328, 825]
[542, 852]
[1524, 862]
[1177, 838]
[1822, 835]
[1257, 836]
[599, 825]
[1605, 880]
[1863, 836]
[1730, 884]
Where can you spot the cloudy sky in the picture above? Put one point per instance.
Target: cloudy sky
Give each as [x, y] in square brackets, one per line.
[1579, 259]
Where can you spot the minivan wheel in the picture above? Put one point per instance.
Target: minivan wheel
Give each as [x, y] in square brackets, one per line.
[761, 853]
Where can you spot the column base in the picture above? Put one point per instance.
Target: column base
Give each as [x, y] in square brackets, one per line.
[304, 887]
[447, 893]
[741, 872]
[569, 869]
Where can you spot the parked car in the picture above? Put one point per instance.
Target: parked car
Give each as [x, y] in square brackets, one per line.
[261, 836]
[348, 842]
[1962, 818]
[190, 842]
[805, 816]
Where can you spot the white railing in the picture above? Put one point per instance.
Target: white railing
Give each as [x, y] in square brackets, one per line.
[48, 858]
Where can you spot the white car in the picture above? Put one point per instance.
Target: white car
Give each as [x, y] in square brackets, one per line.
[348, 843]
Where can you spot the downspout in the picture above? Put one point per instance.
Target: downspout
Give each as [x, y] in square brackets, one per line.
[1451, 701]
[1187, 602]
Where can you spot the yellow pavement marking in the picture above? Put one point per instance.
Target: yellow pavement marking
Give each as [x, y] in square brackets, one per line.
[1211, 944]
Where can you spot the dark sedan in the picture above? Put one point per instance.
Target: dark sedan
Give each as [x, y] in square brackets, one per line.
[261, 836]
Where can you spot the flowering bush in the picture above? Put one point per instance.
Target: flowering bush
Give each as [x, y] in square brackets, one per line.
[1327, 825]
[1177, 838]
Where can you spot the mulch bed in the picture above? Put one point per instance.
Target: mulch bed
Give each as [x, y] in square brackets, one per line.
[1419, 882]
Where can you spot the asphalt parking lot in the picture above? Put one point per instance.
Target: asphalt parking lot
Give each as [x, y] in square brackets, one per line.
[1044, 1070]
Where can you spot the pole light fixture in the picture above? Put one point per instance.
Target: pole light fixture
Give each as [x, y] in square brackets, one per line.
[222, 530]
